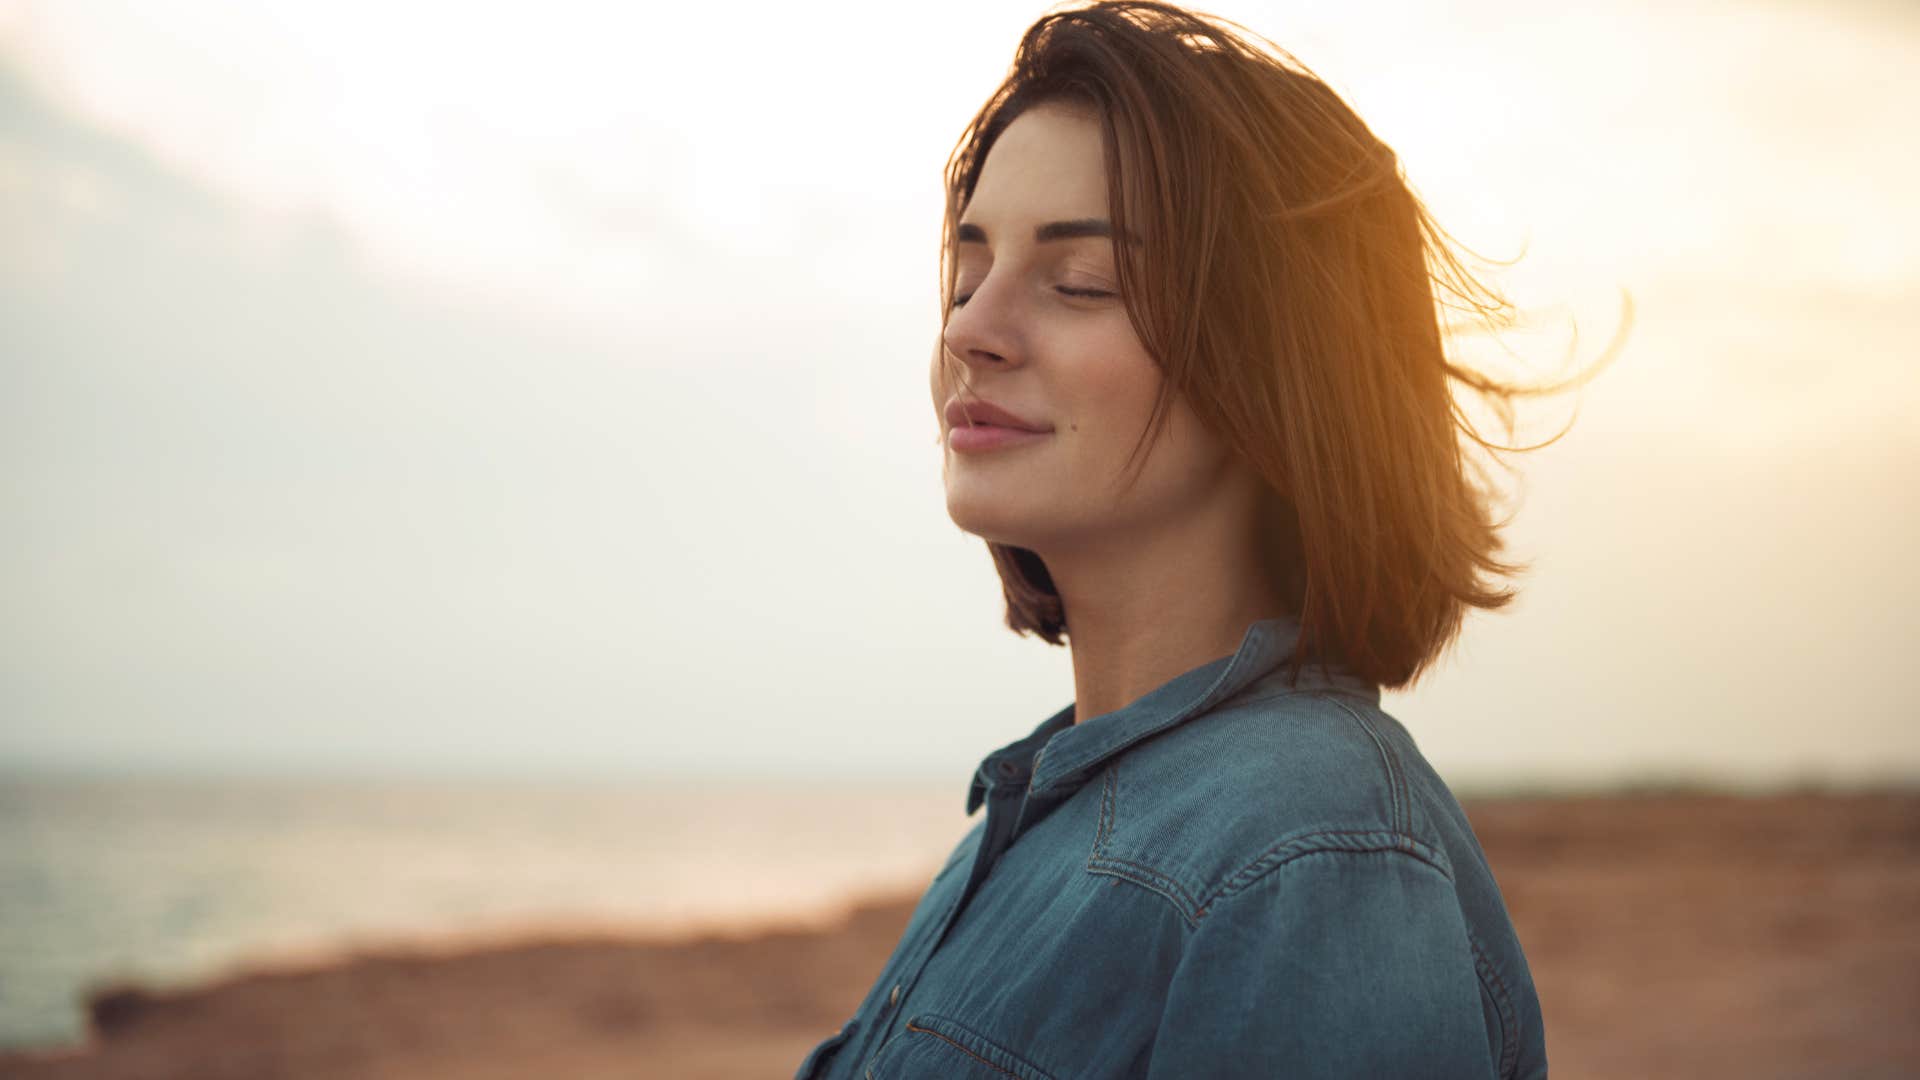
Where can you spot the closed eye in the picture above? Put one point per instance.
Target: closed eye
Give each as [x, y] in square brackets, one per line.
[1065, 289]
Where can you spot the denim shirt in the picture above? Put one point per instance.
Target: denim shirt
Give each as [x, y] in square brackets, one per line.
[1234, 875]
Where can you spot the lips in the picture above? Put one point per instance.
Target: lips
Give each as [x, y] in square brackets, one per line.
[980, 412]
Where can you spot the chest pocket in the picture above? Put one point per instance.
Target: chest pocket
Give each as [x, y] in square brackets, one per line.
[933, 1047]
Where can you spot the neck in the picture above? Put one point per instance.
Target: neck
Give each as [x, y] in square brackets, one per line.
[1165, 601]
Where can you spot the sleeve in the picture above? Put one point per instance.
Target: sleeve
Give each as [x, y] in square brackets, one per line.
[1336, 963]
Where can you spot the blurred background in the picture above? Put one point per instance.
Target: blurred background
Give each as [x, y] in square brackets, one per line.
[470, 469]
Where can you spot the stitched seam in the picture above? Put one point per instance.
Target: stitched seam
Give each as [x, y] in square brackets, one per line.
[1181, 904]
[1329, 841]
[1274, 696]
[1502, 1003]
[1147, 873]
[1396, 780]
[996, 1067]
[1139, 873]
[1106, 813]
[1309, 843]
[1225, 894]
[911, 1026]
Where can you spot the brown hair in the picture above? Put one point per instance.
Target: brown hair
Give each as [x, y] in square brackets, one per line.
[1287, 282]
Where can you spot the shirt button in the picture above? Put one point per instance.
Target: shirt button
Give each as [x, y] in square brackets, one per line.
[894, 998]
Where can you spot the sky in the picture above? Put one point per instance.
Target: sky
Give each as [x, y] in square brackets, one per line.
[512, 391]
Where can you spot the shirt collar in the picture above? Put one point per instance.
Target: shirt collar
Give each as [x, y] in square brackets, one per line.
[1062, 754]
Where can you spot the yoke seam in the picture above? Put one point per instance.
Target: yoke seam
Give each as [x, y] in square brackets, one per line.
[1127, 870]
[1192, 909]
[1326, 842]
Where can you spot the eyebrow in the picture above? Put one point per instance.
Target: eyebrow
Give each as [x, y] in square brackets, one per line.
[1079, 228]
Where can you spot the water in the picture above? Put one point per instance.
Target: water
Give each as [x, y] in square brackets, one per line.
[170, 881]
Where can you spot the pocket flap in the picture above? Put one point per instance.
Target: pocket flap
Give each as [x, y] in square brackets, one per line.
[934, 1045]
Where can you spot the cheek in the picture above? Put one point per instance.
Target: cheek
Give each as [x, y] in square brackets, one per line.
[1118, 384]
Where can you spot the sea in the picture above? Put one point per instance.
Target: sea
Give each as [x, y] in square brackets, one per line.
[170, 881]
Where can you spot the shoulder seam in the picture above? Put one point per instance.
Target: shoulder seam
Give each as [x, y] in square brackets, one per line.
[1399, 790]
[1397, 793]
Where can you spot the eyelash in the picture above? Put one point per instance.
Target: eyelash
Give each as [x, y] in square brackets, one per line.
[1068, 290]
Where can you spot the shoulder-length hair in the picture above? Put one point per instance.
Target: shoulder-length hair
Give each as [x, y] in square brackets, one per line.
[1287, 281]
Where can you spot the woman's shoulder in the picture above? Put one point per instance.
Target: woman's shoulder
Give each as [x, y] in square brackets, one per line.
[1271, 778]
[1312, 790]
[1300, 759]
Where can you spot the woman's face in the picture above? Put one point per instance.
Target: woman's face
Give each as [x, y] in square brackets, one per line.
[1042, 334]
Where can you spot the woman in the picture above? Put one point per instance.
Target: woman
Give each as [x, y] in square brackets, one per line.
[1193, 395]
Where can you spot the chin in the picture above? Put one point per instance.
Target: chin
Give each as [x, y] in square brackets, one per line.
[991, 516]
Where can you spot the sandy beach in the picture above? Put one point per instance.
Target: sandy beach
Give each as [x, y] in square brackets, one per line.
[1671, 935]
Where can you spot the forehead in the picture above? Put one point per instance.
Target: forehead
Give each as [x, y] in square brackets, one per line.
[1048, 164]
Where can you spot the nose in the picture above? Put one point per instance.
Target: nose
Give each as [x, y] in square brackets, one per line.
[986, 331]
